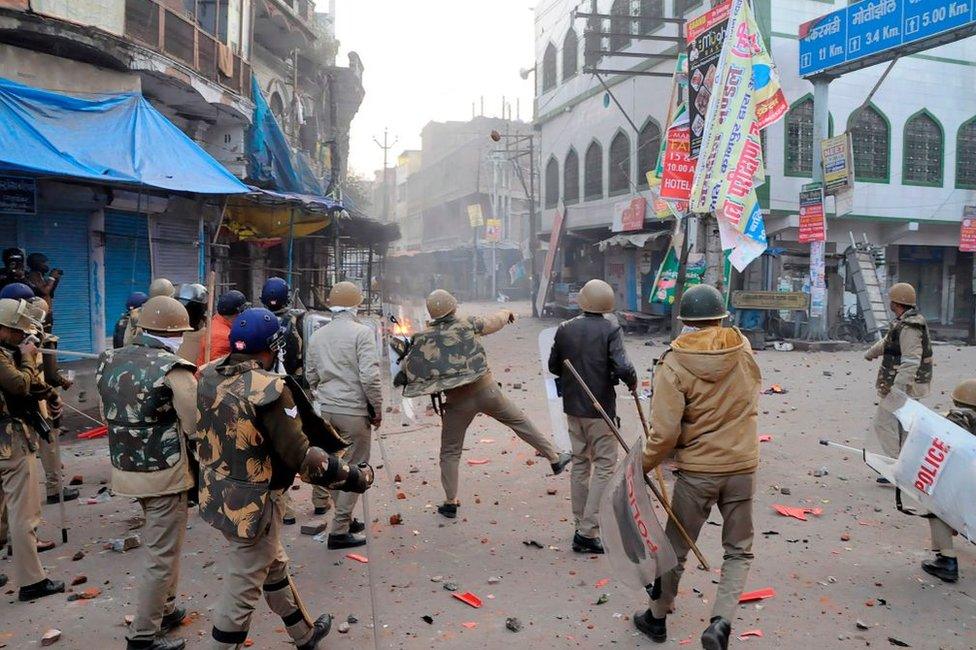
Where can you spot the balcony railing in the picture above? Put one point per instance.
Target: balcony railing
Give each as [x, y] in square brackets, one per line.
[177, 35]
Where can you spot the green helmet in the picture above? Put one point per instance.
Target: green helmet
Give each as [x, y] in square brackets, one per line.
[702, 302]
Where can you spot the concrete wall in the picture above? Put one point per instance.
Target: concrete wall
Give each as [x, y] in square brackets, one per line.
[108, 15]
[62, 75]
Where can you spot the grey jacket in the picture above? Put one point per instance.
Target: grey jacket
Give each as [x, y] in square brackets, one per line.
[344, 367]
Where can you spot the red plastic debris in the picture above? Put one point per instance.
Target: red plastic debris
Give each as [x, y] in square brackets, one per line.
[765, 438]
[470, 625]
[358, 557]
[602, 582]
[759, 594]
[477, 461]
[468, 598]
[795, 512]
[97, 432]
[748, 633]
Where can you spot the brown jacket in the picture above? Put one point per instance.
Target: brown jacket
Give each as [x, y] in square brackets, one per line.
[706, 398]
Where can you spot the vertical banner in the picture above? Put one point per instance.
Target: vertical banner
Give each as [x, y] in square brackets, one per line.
[813, 226]
[678, 166]
[475, 216]
[493, 230]
[818, 287]
[558, 221]
[967, 230]
[706, 34]
[838, 165]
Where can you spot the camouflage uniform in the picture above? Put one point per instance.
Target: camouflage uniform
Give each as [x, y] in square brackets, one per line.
[148, 400]
[941, 532]
[448, 358]
[19, 380]
[907, 366]
[251, 445]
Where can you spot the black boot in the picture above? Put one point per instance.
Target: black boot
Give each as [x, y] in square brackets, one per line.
[560, 464]
[172, 620]
[656, 628]
[356, 526]
[45, 587]
[319, 631]
[348, 540]
[321, 510]
[288, 521]
[716, 635]
[3, 579]
[587, 544]
[944, 568]
[159, 643]
[449, 510]
[70, 494]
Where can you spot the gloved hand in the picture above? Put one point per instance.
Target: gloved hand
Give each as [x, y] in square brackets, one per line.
[54, 408]
[359, 480]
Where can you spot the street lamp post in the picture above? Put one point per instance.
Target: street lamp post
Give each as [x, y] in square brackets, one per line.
[524, 145]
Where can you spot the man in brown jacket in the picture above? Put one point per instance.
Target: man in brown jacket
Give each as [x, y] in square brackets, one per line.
[704, 409]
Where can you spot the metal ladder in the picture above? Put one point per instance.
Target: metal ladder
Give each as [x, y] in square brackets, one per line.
[862, 268]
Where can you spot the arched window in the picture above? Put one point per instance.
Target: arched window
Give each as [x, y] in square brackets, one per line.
[620, 24]
[799, 138]
[570, 54]
[552, 183]
[571, 178]
[871, 137]
[549, 68]
[651, 12]
[278, 108]
[593, 172]
[619, 164]
[648, 148]
[923, 151]
[966, 155]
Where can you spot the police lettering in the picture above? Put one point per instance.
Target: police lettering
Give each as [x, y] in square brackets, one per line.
[635, 512]
[932, 463]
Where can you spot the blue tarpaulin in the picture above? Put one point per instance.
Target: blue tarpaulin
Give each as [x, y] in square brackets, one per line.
[115, 138]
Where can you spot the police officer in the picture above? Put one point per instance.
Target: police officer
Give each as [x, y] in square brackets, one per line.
[906, 364]
[158, 287]
[229, 305]
[149, 402]
[344, 373]
[705, 410]
[21, 388]
[448, 358]
[596, 348]
[13, 266]
[251, 444]
[945, 566]
[132, 304]
[194, 297]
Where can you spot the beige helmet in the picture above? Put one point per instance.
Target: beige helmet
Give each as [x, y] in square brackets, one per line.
[902, 293]
[596, 297]
[161, 287]
[440, 303]
[345, 294]
[164, 314]
[965, 393]
[38, 309]
[18, 315]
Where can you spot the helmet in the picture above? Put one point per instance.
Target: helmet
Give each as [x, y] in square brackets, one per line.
[13, 255]
[345, 294]
[17, 291]
[37, 308]
[702, 302]
[256, 330]
[902, 293]
[164, 314]
[37, 262]
[596, 297]
[161, 287]
[135, 299]
[440, 303]
[274, 294]
[18, 315]
[192, 292]
[231, 303]
[965, 393]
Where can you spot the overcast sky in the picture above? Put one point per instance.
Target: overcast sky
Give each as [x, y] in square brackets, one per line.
[428, 60]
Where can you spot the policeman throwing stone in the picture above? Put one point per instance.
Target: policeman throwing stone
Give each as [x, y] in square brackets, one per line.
[448, 358]
[149, 403]
[251, 444]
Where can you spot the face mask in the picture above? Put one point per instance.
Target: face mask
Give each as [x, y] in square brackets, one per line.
[173, 343]
[686, 329]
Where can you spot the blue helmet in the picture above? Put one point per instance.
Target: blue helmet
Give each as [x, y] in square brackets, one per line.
[17, 291]
[231, 303]
[256, 330]
[274, 294]
[135, 299]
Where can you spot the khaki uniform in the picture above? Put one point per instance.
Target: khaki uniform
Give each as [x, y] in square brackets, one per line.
[132, 327]
[906, 365]
[705, 409]
[942, 532]
[193, 345]
[594, 459]
[18, 465]
[149, 402]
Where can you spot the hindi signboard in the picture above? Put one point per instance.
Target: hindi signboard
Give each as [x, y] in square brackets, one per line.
[874, 31]
[18, 195]
[813, 227]
[629, 215]
[475, 216]
[771, 300]
[705, 37]
[838, 164]
[967, 231]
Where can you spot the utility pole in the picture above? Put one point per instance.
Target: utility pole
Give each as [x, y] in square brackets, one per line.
[817, 328]
[386, 146]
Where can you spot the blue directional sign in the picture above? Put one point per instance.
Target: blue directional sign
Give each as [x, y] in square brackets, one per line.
[872, 31]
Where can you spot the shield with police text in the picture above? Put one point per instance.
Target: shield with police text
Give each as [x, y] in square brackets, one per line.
[633, 539]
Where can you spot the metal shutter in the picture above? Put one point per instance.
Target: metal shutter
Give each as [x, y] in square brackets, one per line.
[8, 231]
[126, 262]
[63, 237]
[174, 249]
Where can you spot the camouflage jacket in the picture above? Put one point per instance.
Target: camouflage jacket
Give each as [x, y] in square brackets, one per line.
[143, 427]
[893, 353]
[448, 354]
[236, 448]
[964, 417]
[17, 382]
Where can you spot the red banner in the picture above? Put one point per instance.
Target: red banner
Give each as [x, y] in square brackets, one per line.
[813, 226]
[679, 168]
[967, 232]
